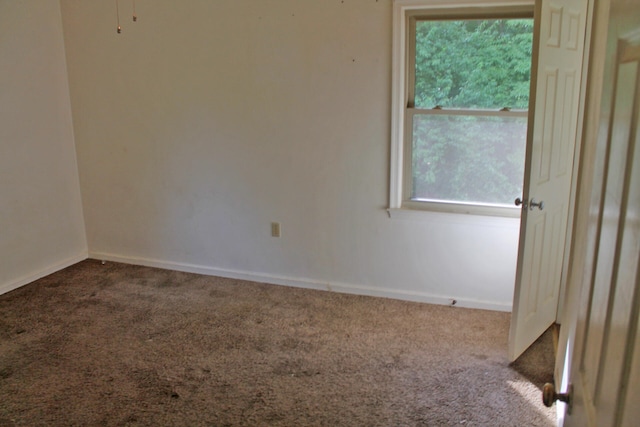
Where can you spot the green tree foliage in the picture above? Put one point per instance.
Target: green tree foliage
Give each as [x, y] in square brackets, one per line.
[470, 64]
[473, 64]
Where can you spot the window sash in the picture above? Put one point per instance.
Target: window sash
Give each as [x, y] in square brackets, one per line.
[458, 14]
[466, 112]
[447, 205]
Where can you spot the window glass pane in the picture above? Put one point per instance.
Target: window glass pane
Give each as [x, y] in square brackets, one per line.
[471, 159]
[483, 64]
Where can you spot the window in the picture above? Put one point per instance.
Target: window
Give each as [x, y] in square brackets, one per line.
[461, 93]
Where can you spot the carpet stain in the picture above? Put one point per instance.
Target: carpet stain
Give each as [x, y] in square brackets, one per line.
[5, 372]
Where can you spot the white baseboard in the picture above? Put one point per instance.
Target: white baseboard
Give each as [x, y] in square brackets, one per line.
[305, 283]
[8, 287]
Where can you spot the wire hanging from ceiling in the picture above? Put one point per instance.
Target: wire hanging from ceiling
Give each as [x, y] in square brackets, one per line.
[135, 16]
[119, 29]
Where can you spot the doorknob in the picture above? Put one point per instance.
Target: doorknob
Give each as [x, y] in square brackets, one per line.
[549, 396]
[534, 204]
[519, 202]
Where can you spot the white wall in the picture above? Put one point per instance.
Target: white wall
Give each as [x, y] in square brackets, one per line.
[206, 120]
[41, 224]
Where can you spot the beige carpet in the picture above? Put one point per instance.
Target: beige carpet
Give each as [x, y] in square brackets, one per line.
[120, 345]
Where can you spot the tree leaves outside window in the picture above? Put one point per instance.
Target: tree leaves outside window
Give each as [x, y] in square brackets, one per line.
[468, 65]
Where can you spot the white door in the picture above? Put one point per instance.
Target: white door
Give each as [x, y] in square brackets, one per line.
[605, 365]
[550, 151]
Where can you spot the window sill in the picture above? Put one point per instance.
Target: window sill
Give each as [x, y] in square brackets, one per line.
[426, 211]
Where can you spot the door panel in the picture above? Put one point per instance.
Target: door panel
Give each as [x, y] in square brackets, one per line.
[568, 133]
[546, 140]
[551, 143]
[535, 275]
[557, 219]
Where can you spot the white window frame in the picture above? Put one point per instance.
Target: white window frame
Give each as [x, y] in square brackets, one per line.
[399, 203]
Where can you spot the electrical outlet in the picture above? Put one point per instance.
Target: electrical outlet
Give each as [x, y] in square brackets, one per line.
[275, 229]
